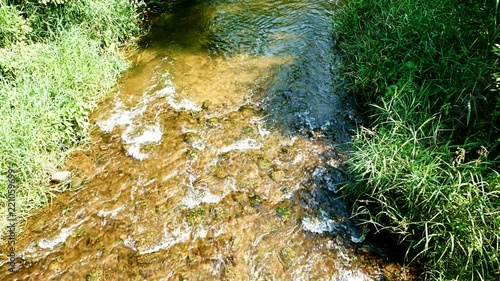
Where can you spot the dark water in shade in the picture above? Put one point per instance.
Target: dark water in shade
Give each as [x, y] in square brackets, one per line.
[217, 158]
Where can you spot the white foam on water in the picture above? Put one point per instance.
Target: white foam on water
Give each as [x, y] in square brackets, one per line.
[128, 242]
[219, 230]
[260, 126]
[298, 158]
[245, 144]
[218, 264]
[121, 117]
[199, 194]
[187, 130]
[61, 238]
[196, 197]
[29, 249]
[125, 117]
[171, 175]
[305, 266]
[135, 152]
[259, 238]
[290, 141]
[169, 90]
[168, 277]
[213, 162]
[325, 126]
[110, 213]
[183, 104]
[349, 275]
[288, 195]
[80, 212]
[198, 144]
[132, 192]
[317, 225]
[151, 134]
[200, 233]
[357, 239]
[180, 234]
[322, 173]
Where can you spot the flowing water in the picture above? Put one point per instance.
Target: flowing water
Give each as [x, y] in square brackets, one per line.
[216, 158]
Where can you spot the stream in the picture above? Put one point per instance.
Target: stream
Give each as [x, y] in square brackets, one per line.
[217, 157]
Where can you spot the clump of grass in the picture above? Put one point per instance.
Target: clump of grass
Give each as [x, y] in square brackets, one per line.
[408, 184]
[442, 45]
[427, 171]
[52, 73]
[13, 26]
[108, 22]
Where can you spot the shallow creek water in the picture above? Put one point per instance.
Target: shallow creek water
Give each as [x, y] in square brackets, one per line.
[216, 158]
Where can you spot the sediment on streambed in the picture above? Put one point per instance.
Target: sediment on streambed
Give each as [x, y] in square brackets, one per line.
[217, 156]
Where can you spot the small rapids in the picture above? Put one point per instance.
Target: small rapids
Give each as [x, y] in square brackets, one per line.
[216, 158]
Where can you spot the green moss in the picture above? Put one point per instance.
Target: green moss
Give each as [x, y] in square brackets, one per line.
[248, 130]
[255, 201]
[196, 215]
[283, 212]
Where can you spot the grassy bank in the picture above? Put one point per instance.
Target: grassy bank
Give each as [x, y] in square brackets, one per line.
[425, 170]
[57, 58]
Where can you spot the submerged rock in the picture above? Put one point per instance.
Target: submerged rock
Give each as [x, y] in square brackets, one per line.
[287, 256]
[96, 275]
[192, 154]
[212, 122]
[191, 138]
[278, 175]
[255, 201]
[207, 105]
[263, 163]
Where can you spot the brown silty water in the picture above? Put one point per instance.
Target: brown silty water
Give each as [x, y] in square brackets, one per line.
[213, 160]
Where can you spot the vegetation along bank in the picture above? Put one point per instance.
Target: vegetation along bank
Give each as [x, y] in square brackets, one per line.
[425, 166]
[57, 58]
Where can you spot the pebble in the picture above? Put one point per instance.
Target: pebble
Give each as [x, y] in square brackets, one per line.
[61, 176]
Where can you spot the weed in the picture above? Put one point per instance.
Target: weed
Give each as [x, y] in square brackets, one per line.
[427, 173]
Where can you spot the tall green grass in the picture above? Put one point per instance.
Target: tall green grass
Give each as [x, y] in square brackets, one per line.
[56, 61]
[426, 171]
[427, 195]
